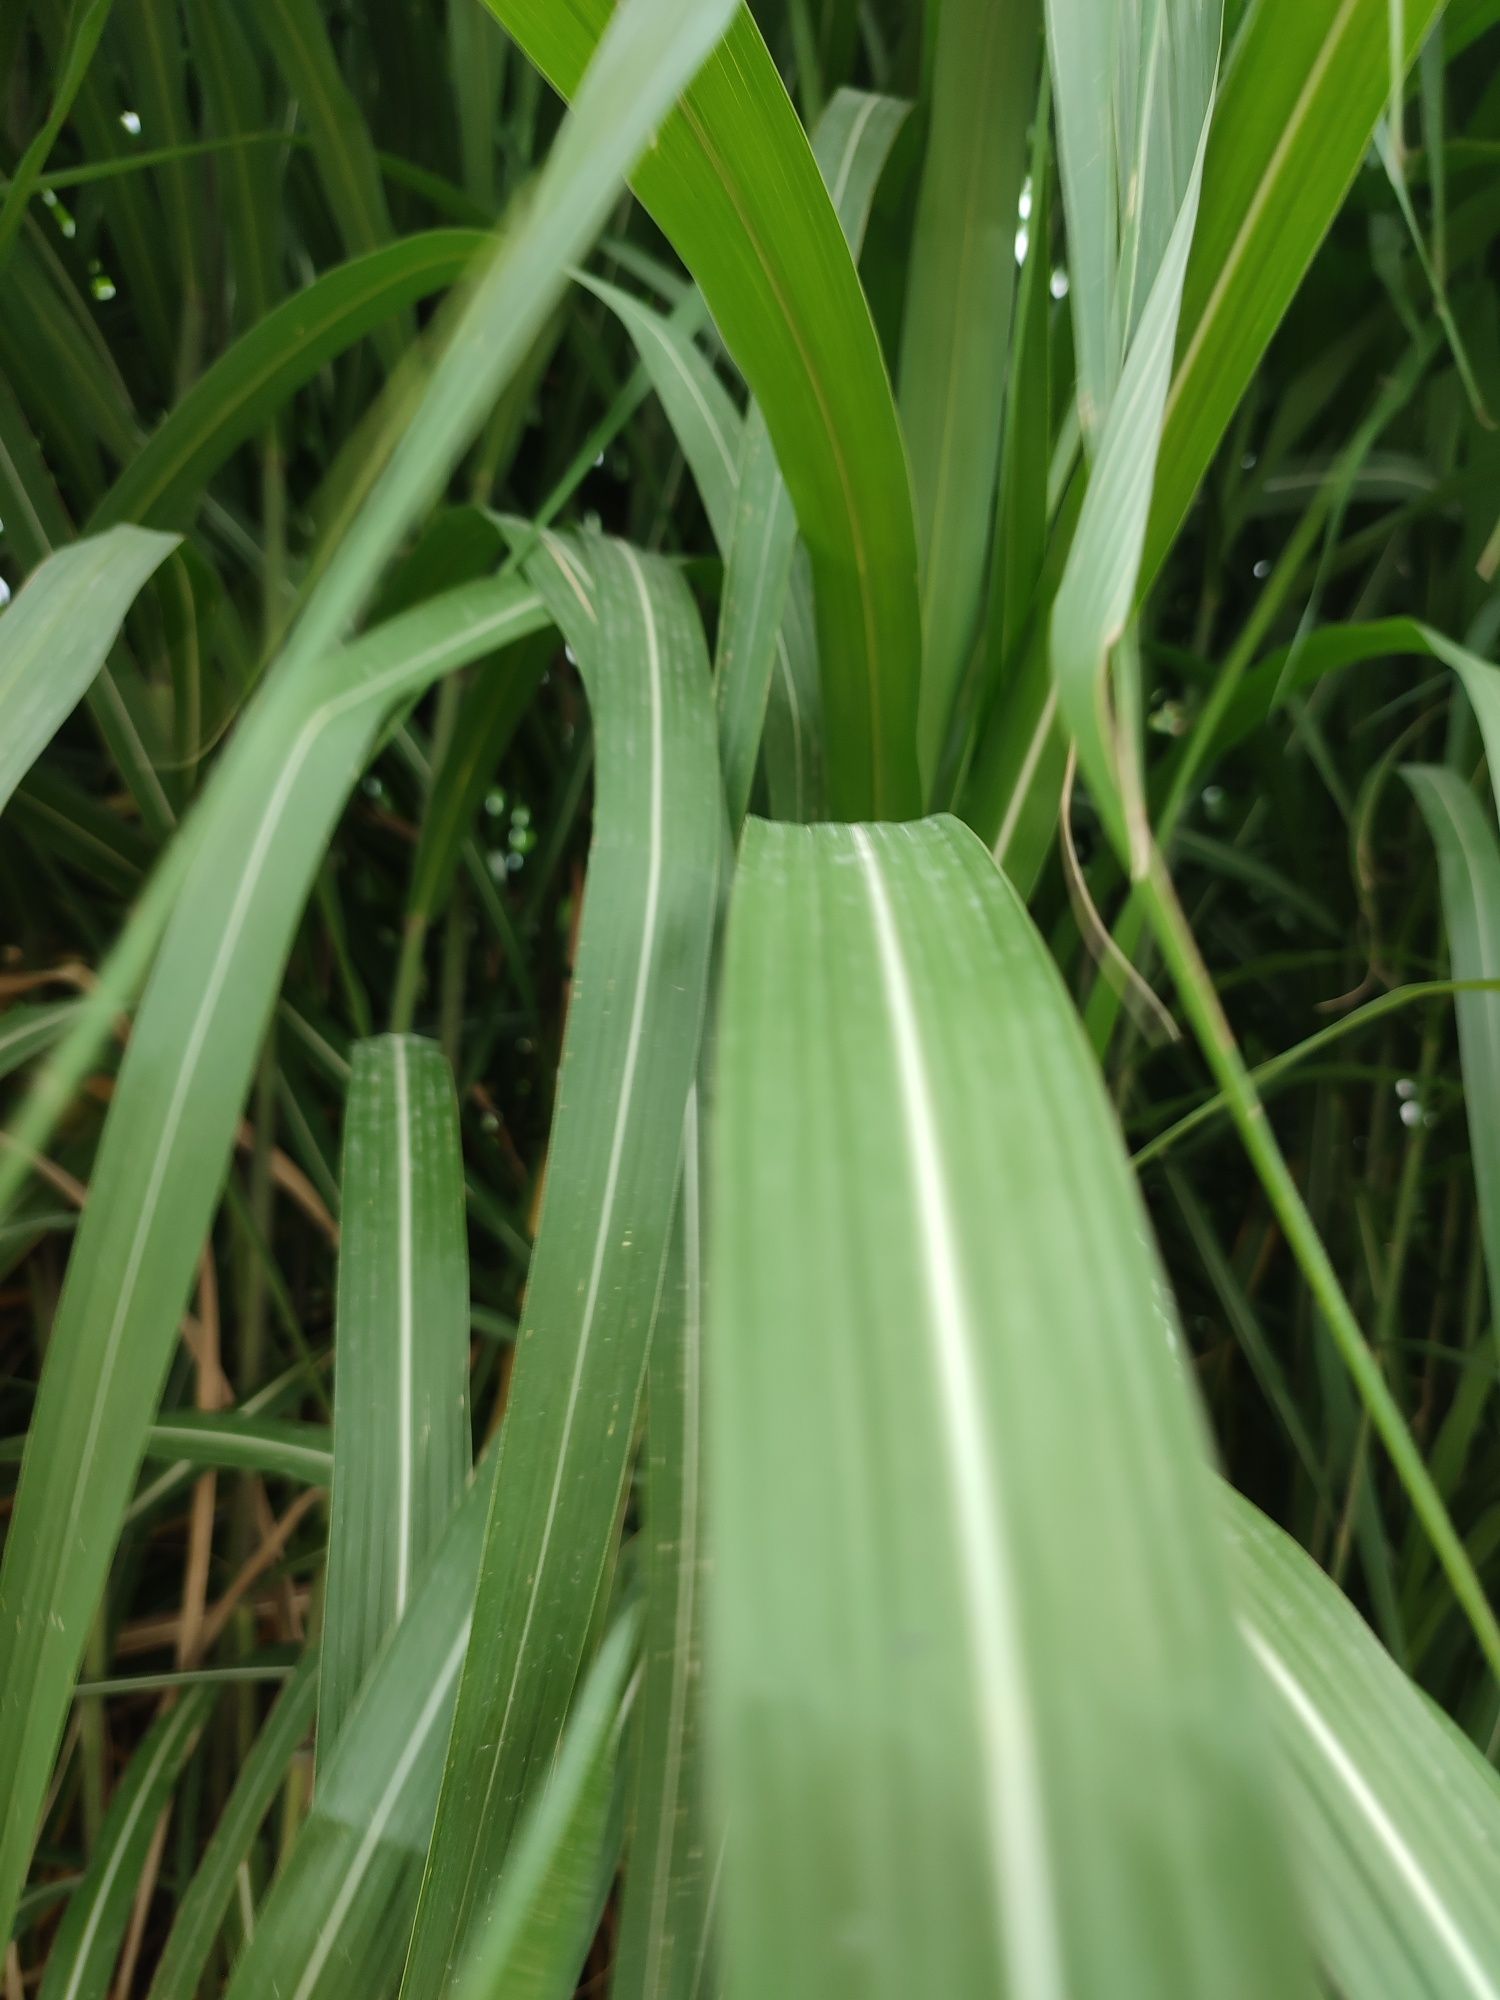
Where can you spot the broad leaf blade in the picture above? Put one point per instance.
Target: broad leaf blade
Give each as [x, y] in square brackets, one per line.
[596, 1272]
[732, 181]
[964, 1588]
[401, 1402]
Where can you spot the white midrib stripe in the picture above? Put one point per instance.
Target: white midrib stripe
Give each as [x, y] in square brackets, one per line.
[1381, 1825]
[404, 1412]
[1029, 1945]
[611, 1179]
[415, 1744]
[164, 1750]
[301, 749]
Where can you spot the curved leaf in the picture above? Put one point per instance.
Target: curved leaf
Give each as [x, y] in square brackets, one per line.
[936, 1327]
[596, 1273]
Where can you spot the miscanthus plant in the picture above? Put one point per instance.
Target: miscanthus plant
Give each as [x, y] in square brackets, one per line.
[751, 954]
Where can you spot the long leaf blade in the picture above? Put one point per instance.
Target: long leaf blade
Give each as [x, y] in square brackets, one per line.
[597, 1268]
[766, 249]
[926, 1301]
[401, 1405]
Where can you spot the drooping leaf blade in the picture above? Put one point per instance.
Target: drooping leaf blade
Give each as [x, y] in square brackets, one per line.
[926, 1301]
[597, 1268]
[54, 637]
[923, 1305]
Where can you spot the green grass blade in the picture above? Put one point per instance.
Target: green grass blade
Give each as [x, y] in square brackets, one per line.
[936, 1324]
[87, 25]
[335, 1924]
[274, 1445]
[1394, 1816]
[82, 828]
[54, 637]
[257, 842]
[297, 36]
[596, 1272]
[732, 181]
[249, 177]
[1303, 89]
[955, 337]
[764, 639]
[82, 1960]
[254, 379]
[698, 406]
[758, 554]
[1469, 869]
[663, 1951]
[401, 1403]
[28, 1029]
[647, 58]
[532, 1943]
[200, 1914]
[1096, 595]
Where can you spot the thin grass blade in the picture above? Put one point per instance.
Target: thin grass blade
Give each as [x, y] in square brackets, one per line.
[82, 1960]
[200, 1914]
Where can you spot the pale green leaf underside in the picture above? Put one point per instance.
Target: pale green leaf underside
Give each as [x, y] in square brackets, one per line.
[1394, 1817]
[934, 1310]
